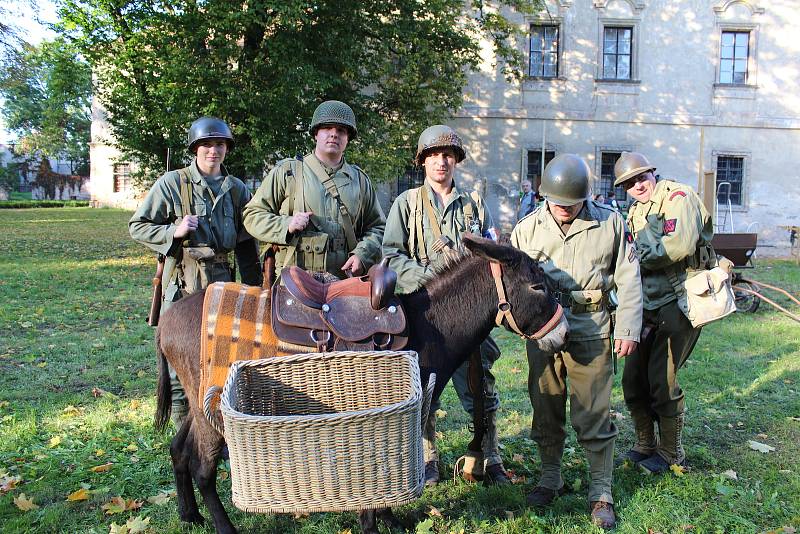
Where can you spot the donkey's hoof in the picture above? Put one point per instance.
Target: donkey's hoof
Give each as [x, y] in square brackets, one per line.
[195, 518]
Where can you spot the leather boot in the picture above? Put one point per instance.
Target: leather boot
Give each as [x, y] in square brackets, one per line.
[646, 443]
[670, 449]
[494, 473]
[603, 514]
[430, 452]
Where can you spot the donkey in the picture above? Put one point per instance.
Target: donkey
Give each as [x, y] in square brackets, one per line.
[448, 319]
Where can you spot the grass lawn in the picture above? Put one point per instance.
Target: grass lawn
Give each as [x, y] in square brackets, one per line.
[77, 382]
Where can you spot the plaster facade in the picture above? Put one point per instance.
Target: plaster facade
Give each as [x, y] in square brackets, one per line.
[671, 107]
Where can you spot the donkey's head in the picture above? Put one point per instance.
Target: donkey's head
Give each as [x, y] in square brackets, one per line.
[531, 311]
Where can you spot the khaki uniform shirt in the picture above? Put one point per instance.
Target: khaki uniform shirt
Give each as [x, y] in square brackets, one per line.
[596, 253]
[219, 222]
[668, 230]
[411, 273]
[268, 214]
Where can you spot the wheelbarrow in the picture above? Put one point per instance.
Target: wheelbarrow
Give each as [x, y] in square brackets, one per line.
[739, 248]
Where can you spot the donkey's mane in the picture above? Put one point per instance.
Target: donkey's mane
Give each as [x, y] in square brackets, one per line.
[458, 266]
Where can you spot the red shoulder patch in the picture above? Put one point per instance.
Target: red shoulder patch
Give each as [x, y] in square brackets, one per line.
[677, 194]
[670, 225]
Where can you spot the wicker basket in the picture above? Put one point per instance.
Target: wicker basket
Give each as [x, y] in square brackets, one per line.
[324, 432]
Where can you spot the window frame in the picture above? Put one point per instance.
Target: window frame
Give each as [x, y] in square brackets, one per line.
[121, 180]
[751, 63]
[743, 192]
[631, 23]
[558, 42]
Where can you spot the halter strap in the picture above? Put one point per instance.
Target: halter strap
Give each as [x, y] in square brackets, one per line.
[504, 308]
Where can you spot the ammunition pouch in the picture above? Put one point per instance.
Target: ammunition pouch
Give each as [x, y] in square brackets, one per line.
[311, 252]
[199, 266]
[584, 301]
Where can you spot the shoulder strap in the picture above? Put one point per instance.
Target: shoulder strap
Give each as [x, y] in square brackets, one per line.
[416, 237]
[330, 187]
[186, 191]
[426, 204]
[299, 204]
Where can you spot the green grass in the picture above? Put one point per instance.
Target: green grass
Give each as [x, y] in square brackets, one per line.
[77, 364]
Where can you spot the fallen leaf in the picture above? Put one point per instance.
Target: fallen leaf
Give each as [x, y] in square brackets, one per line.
[141, 374]
[71, 410]
[99, 452]
[41, 365]
[101, 468]
[518, 458]
[8, 482]
[509, 515]
[687, 527]
[115, 506]
[137, 524]
[134, 459]
[731, 474]
[440, 414]
[55, 441]
[161, 498]
[789, 530]
[3, 404]
[762, 436]
[677, 469]
[223, 475]
[760, 447]
[24, 503]
[132, 448]
[346, 531]
[135, 404]
[133, 504]
[516, 370]
[434, 512]
[118, 529]
[78, 495]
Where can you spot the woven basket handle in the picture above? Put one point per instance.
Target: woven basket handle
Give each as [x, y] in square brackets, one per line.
[427, 398]
[210, 394]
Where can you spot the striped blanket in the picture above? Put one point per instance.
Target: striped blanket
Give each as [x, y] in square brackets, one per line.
[236, 326]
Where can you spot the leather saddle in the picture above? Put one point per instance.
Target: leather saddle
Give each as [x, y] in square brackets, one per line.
[359, 313]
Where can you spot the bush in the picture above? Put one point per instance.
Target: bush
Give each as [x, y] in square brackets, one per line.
[20, 204]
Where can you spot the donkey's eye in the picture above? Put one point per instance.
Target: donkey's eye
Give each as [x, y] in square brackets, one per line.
[537, 287]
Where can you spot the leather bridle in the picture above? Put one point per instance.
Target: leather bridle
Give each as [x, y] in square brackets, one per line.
[504, 308]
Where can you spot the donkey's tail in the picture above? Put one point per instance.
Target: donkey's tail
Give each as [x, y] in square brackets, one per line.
[163, 389]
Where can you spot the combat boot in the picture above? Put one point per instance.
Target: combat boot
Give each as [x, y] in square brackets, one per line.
[646, 443]
[670, 449]
[430, 452]
[493, 473]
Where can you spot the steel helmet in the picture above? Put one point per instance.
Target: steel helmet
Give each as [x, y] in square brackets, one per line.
[629, 165]
[334, 112]
[566, 180]
[209, 128]
[439, 136]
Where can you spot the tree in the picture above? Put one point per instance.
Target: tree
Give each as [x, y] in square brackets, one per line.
[47, 101]
[263, 66]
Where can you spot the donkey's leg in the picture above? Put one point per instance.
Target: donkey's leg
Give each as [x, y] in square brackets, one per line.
[367, 519]
[208, 446]
[181, 451]
[386, 515]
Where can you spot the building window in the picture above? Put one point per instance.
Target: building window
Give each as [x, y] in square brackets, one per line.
[122, 177]
[730, 170]
[607, 161]
[535, 166]
[733, 56]
[617, 53]
[413, 177]
[544, 51]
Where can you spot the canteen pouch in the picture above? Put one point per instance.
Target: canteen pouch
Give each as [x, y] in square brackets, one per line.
[707, 296]
[587, 300]
[311, 252]
[197, 266]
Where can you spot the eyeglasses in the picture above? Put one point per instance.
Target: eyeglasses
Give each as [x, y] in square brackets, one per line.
[627, 184]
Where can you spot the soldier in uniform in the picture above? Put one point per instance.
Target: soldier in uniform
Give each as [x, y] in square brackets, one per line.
[586, 253]
[424, 229]
[193, 216]
[321, 211]
[672, 230]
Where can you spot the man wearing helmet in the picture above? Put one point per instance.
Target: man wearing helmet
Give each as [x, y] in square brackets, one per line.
[321, 211]
[586, 252]
[424, 230]
[193, 217]
[673, 231]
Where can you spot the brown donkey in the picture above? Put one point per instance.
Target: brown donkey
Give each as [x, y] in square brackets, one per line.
[448, 319]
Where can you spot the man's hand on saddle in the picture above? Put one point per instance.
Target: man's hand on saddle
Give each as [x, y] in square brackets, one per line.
[299, 221]
[624, 347]
[353, 266]
[188, 224]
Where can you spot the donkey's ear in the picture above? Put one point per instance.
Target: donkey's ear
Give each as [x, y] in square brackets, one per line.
[488, 249]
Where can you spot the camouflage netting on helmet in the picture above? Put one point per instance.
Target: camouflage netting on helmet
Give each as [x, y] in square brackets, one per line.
[439, 136]
[334, 112]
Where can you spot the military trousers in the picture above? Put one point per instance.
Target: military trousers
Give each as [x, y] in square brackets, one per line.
[650, 379]
[490, 353]
[585, 369]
